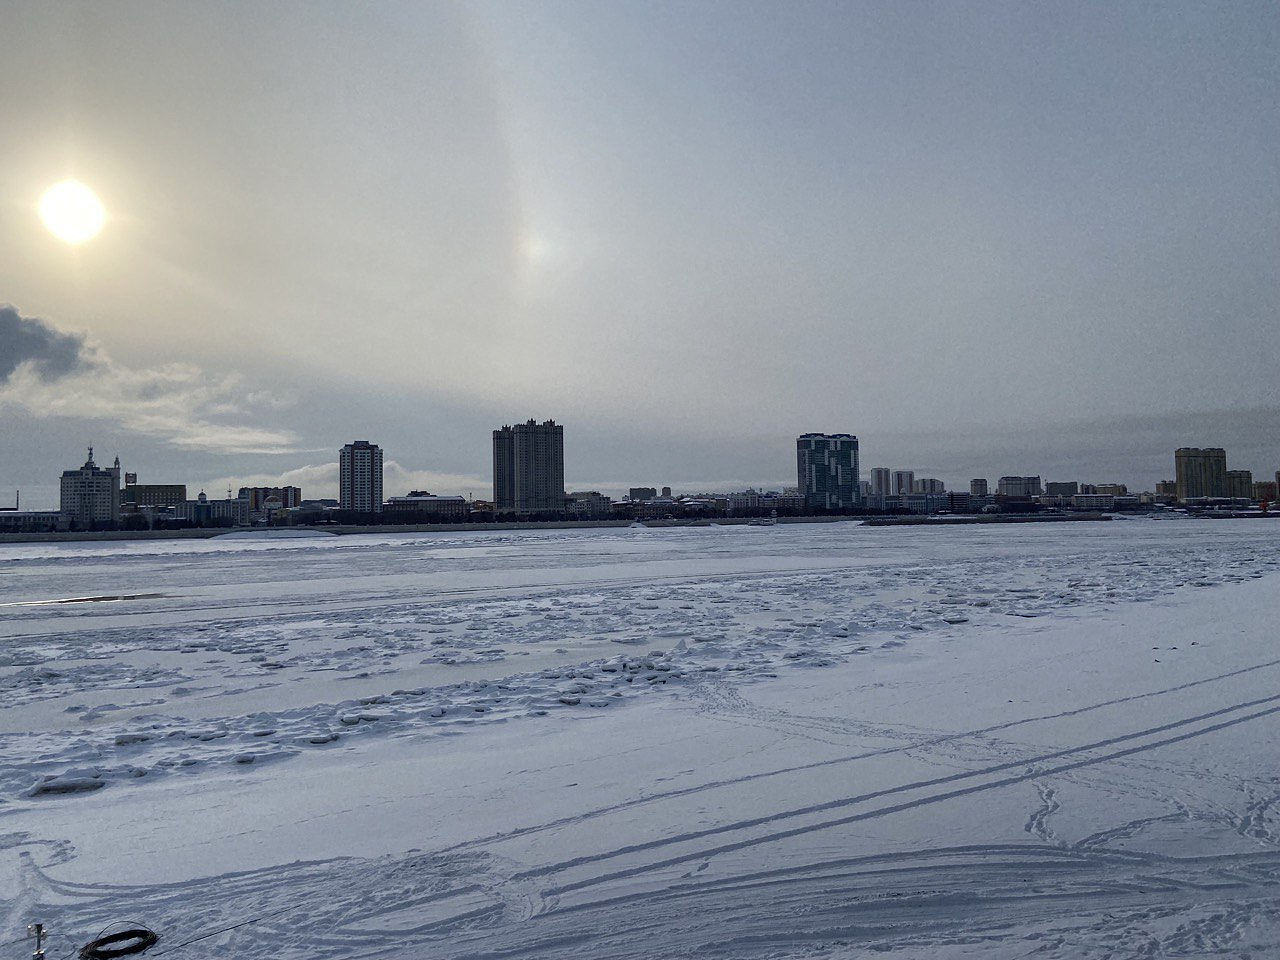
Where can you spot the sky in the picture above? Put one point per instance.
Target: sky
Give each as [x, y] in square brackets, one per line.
[987, 238]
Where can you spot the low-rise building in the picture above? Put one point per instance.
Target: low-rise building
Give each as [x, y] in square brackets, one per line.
[1111, 489]
[588, 505]
[155, 494]
[420, 504]
[32, 521]
[1019, 487]
[1094, 501]
[258, 497]
[203, 512]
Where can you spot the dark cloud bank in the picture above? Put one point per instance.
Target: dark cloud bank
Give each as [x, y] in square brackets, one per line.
[23, 339]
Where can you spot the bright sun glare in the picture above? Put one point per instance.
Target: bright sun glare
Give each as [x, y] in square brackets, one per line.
[72, 211]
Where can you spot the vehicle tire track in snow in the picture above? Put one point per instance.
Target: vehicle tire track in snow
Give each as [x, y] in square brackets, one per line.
[776, 835]
[923, 744]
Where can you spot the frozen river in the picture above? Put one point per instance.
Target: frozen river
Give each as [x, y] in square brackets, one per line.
[820, 740]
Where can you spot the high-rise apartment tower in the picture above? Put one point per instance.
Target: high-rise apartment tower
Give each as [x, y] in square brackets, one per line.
[528, 468]
[360, 477]
[827, 471]
[1200, 472]
[91, 494]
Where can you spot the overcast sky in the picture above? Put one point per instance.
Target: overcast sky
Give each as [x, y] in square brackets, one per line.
[987, 238]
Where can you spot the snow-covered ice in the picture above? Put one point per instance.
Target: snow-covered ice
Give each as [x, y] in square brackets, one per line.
[819, 740]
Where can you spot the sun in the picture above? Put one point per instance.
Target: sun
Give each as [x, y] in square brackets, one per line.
[72, 212]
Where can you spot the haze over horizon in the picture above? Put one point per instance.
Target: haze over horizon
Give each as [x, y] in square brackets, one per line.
[986, 238]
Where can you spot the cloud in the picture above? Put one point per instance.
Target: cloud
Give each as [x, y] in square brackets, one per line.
[49, 352]
[48, 373]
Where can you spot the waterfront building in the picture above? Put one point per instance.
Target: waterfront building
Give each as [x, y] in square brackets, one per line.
[640, 494]
[203, 512]
[928, 485]
[420, 503]
[1240, 484]
[1093, 501]
[31, 521]
[904, 481]
[154, 494]
[827, 471]
[1110, 489]
[1061, 488]
[360, 477]
[528, 468]
[288, 497]
[1200, 472]
[880, 480]
[978, 488]
[1019, 488]
[1265, 491]
[90, 495]
[591, 505]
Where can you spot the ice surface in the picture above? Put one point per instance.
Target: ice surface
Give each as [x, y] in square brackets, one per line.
[789, 741]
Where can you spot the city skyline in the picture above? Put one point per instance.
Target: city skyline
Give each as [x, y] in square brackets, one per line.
[990, 239]
[323, 480]
[528, 481]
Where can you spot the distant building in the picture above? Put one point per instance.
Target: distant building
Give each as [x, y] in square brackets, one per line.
[91, 494]
[978, 488]
[903, 482]
[1061, 488]
[203, 512]
[928, 485]
[431, 508]
[666, 492]
[880, 482]
[1111, 489]
[32, 521]
[154, 494]
[1266, 491]
[289, 497]
[1167, 491]
[360, 477]
[591, 505]
[640, 494]
[1019, 488]
[827, 471]
[1200, 472]
[1093, 501]
[528, 468]
[864, 489]
[1240, 484]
